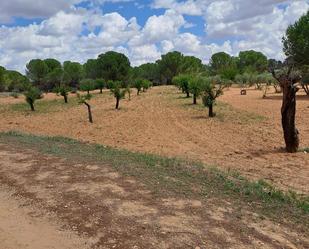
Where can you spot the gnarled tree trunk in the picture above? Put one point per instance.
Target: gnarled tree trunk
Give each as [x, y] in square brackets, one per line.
[288, 111]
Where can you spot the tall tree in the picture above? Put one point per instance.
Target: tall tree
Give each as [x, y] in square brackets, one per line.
[252, 62]
[170, 65]
[36, 71]
[91, 69]
[73, 72]
[224, 65]
[114, 66]
[296, 41]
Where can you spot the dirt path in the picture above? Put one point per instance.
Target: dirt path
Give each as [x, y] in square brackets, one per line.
[161, 121]
[116, 211]
[19, 229]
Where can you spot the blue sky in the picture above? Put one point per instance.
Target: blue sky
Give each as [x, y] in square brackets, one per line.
[143, 30]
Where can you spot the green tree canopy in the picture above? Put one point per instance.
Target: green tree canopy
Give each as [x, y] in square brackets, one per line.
[296, 41]
[170, 65]
[73, 72]
[252, 61]
[36, 71]
[91, 69]
[224, 65]
[52, 64]
[113, 66]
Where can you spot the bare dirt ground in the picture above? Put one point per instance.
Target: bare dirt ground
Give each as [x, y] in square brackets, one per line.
[246, 134]
[52, 202]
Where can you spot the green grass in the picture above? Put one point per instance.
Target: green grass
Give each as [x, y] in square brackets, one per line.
[177, 177]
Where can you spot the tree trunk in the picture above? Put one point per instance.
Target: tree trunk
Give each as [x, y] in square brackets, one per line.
[65, 98]
[117, 103]
[288, 110]
[138, 92]
[32, 106]
[210, 111]
[194, 99]
[101, 90]
[89, 112]
[188, 94]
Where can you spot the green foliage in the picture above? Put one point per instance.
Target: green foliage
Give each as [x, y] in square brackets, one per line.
[149, 71]
[91, 69]
[146, 84]
[114, 66]
[117, 91]
[138, 85]
[2, 83]
[52, 64]
[224, 65]
[212, 88]
[15, 81]
[63, 90]
[31, 95]
[252, 62]
[36, 71]
[296, 41]
[99, 84]
[54, 78]
[73, 73]
[195, 87]
[182, 81]
[191, 64]
[87, 85]
[170, 65]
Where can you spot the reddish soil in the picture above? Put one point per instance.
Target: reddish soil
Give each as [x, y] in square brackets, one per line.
[162, 122]
[51, 202]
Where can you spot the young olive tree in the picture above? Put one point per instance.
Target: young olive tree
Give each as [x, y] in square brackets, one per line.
[195, 88]
[87, 85]
[118, 92]
[31, 95]
[100, 84]
[212, 88]
[129, 91]
[84, 99]
[63, 90]
[138, 85]
[146, 85]
[182, 81]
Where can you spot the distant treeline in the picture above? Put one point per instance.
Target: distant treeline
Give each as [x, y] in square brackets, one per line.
[112, 66]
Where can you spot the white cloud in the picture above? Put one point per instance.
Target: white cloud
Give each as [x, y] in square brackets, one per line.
[77, 34]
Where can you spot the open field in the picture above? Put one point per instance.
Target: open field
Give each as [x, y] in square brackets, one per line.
[68, 194]
[245, 136]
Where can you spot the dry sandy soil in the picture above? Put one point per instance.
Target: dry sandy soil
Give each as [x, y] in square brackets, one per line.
[48, 202]
[246, 134]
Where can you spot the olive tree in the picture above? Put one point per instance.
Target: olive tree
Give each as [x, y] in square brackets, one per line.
[31, 95]
[117, 92]
[100, 84]
[182, 81]
[84, 99]
[212, 88]
[87, 85]
[63, 90]
[146, 85]
[296, 48]
[195, 88]
[138, 85]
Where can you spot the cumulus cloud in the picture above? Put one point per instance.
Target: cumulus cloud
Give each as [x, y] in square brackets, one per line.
[76, 33]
